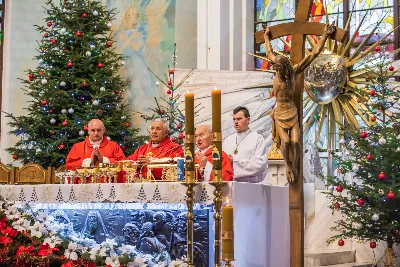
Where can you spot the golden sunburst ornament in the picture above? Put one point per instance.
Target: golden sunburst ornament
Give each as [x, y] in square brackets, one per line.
[336, 82]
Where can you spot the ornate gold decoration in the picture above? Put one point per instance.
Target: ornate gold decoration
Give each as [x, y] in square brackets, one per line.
[228, 263]
[274, 153]
[33, 174]
[189, 220]
[217, 136]
[217, 221]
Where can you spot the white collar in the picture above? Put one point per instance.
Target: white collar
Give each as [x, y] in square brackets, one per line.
[241, 134]
[97, 143]
[204, 150]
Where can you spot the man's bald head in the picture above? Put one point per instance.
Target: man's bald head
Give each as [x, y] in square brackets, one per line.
[96, 130]
[203, 136]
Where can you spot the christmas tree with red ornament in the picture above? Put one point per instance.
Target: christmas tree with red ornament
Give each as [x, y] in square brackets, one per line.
[370, 200]
[168, 109]
[76, 80]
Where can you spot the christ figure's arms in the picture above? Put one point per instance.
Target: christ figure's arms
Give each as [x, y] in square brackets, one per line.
[268, 48]
[329, 29]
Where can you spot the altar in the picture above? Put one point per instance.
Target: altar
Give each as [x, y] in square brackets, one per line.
[122, 211]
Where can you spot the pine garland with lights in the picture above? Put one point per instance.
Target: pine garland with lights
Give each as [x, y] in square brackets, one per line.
[76, 80]
[370, 201]
[169, 109]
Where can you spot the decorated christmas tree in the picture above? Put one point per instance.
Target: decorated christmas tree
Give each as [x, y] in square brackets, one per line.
[168, 109]
[76, 80]
[366, 190]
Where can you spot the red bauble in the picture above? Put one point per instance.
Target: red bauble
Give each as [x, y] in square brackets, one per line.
[373, 118]
[109, 43]
[369, 157]
[53, 41]
[127, 125]
[85, 128]
[78, 33]
[53, 133]
[99, 65]
[84, 15]
[337, 205]
[171, 71]
[169, 83]
[44, 102]
[61, 146]
[123, 148]
[382, 176]
[361, 202]
[359, 100]
[363, 135]
[31, 76]
[46, 35]
[181, 136]
[372, 93]
[49, 23]
[169, 92]
[377, 49]
[162, 111]
[341, 242]
[15, 157]
[51, 111]
[117, 92]
[173, 139]
[179, 126]
[69, 64]
[391, 68]
[390, 195]
[372, 244]
[65, 123]
[339, 188]
[84, 84]
[41, 72]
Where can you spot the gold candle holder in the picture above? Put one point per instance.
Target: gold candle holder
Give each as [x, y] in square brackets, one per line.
[190, 221]
[217, 221]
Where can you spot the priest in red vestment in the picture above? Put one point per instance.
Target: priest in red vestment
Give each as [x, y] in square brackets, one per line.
[95, 149]
[203, 156]
[160, 146]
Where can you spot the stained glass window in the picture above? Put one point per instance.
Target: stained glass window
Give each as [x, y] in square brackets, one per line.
[272, 10]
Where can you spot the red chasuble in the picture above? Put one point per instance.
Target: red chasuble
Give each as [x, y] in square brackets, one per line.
[84, 149]
[165, 149]
[227, 170]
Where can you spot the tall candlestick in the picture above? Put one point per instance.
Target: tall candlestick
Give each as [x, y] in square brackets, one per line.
[189, 172]
[217, 135]
[189, 137]
[227, 231]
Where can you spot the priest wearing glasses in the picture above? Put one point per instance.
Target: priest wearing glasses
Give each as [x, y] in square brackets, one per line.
[159, 147]
[246, 149]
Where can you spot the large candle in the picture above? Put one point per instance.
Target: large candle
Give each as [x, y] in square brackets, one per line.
[189, 138]
[217, 141]
[227, 232]
[216, 110]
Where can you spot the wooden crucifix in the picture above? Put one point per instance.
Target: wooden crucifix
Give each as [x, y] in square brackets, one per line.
[298, 29]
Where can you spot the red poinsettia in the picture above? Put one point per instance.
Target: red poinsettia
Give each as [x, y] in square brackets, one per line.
[45, 250]
[68, 264]
[22, 249]
[7, 234]
[3, 223]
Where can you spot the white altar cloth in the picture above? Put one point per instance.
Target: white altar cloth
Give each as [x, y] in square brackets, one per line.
[261, 212]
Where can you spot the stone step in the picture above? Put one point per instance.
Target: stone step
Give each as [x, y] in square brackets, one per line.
[328, 257]
[352, 264]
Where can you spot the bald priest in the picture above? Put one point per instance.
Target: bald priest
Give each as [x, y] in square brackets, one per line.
[95, 149]
[160, 146]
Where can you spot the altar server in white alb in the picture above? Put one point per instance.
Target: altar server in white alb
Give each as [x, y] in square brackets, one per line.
[246, 149]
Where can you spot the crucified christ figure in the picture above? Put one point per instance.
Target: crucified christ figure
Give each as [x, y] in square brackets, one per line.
[285, 125]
